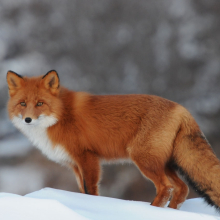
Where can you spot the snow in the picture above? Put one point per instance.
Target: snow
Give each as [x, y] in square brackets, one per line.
[57, 204]
[22, 208]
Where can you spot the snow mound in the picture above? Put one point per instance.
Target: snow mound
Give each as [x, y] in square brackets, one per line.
[56, 204]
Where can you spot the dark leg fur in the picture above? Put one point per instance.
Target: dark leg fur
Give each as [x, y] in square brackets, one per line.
[85, 188]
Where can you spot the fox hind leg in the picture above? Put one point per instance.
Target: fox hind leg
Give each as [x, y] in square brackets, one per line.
[156, 173]
[180, 191]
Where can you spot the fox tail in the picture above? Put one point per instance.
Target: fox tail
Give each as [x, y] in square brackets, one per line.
[194, 158]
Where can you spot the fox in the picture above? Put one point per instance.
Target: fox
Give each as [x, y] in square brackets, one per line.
[81, 130]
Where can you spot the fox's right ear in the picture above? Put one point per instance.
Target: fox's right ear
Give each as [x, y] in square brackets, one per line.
[15, 81]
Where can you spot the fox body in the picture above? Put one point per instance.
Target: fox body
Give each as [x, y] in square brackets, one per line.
[79, 130]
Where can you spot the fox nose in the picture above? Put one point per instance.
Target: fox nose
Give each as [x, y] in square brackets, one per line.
[28, 120]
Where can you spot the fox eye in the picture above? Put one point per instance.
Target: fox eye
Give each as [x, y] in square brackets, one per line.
[40, 103]
[23, 104]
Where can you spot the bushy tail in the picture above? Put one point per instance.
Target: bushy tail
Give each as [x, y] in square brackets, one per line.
[195, 160]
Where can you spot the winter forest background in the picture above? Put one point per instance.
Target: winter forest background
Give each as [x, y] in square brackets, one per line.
[169, 48]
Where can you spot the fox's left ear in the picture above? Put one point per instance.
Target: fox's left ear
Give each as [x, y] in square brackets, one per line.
[51, 82]
[15, 82]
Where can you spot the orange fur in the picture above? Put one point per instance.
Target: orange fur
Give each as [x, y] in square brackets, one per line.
[151, 131]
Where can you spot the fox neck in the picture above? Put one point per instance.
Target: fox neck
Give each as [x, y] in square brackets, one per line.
[37, 134]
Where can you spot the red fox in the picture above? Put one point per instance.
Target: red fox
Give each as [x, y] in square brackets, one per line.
[80, 130]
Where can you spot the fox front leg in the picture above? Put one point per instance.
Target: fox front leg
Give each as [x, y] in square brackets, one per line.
[79, 178]
[88, 173]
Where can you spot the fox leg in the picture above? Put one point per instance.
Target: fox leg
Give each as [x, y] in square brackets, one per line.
[89, 168]
[180, 189]
[79, 178]
[156, 173]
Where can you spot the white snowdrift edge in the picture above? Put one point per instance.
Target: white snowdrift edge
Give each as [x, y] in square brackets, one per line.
[56, 204]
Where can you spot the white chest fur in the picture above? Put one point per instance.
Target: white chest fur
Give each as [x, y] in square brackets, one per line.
[37, 134]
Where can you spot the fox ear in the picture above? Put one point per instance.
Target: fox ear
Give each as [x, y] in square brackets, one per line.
[15, 81]
[51, 82]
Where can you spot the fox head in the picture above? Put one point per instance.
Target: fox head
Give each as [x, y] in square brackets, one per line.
[35, 100]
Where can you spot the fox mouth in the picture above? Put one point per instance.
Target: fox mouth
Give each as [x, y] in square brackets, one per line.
[28, 124]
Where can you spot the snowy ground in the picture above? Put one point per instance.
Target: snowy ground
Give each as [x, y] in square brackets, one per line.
[56, 204]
